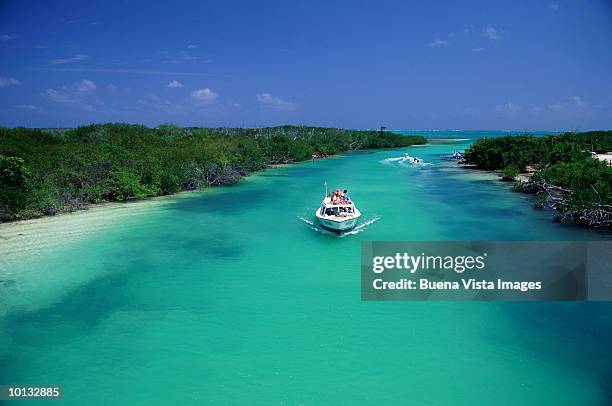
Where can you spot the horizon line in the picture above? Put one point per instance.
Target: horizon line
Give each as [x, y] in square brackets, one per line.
[308, 125]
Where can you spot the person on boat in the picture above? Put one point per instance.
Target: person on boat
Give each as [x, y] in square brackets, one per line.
[346, 199]
[334, 199]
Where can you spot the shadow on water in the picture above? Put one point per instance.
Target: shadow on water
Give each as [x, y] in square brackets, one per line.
[76, 315]
[84, 308]
[210, 244]
[578, 334]
[81, 311]
[137, 260]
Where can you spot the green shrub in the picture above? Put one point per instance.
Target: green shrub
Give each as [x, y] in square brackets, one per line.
[125, 184]
[589, 179]
[13, 172]
[510, 172]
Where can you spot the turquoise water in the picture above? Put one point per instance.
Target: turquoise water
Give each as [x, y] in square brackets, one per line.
[232, 296]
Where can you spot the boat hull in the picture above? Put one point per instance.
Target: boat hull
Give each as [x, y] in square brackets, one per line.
[338, 225]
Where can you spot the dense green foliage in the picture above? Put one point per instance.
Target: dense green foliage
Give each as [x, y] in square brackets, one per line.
[510, 172]
[13, 181]
[561, 160]
[520, 151]
[590, 181]
[43, 172]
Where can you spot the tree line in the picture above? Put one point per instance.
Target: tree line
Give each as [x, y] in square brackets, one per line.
[48, 171]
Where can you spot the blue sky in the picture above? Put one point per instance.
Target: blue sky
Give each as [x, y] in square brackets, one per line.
[520, 65]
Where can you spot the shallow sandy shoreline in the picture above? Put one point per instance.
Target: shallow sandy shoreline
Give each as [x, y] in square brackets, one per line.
[30, 239]
[92, 210]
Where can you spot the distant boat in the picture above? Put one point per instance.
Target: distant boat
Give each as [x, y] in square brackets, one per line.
[413, 160]
[455, 156]
[337, 217]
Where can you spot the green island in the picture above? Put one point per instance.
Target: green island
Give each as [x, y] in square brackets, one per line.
[44, 172]
[562, 170]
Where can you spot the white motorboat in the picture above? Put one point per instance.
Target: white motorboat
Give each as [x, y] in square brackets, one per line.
[413, 160]
[337, 217]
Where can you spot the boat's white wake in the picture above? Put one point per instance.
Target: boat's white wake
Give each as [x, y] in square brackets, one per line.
[360, 228]
[309, 222]
[390, 161]
[314, 227]
[406, 162]
[410, 164]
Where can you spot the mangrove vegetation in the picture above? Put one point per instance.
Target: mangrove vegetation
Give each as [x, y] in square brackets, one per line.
[566, 174]
[49, 171]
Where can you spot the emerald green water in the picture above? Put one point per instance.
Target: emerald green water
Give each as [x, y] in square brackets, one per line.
[231, 296]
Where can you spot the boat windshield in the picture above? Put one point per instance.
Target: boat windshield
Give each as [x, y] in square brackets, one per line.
[338, 211]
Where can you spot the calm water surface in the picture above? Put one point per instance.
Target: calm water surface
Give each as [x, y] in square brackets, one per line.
[232, 296]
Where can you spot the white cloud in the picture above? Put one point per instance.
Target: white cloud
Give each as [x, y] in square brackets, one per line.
[5, 82]
[268, 100]
[59, 96]
[509, 107]
[492, 33]
[8, 37]
[553, 6]
[192, 46]
[28, 107]
[205, 95]
[579, 102]
[111, 87]
[479, 49]
[175, 84]
[83, 92]
[86, 86]
[62, 61]
[439, 43]
[556, 106]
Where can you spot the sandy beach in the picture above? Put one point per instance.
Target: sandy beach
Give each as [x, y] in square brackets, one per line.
[31, 240]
